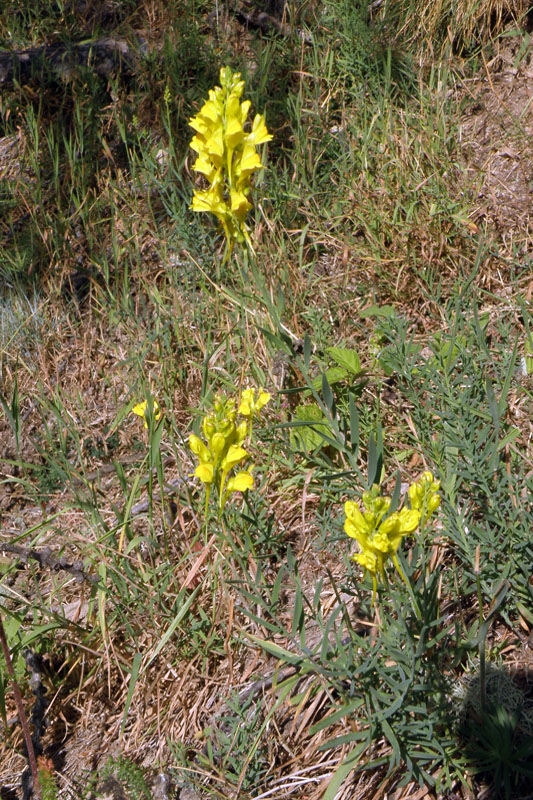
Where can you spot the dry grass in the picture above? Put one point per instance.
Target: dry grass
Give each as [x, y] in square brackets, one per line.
[365, 204]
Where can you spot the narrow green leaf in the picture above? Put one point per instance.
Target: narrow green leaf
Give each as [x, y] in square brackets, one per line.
[513, 434]
[393, 741]
[280, 578]
[307, 351]
[275, 649]
[493, 404]
[298, 613]
[343, 771]
[337, 716]
[375, 459]
[354, 425]
[137, 658]
[327, 394]
[174, 624]
[395, 499]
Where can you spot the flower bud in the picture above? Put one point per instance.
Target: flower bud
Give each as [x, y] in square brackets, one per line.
[218, 443]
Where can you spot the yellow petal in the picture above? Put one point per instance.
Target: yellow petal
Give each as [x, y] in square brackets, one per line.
[239, 205]
[245, 108]
[262, 400]
[367, 560]
[206, 167]
[241, 432]
[215, 147]
[233, 457]
[234, 133]
[218, 443]
[246, 405]
[408, 520]
[139, 409]
[353, 513]
[248, 162]
[259, 132]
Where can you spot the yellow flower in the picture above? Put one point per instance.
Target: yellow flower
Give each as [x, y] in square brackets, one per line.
[249, 406]
[240, 482]
[227, 155]
[141, 410]
[199, 448]
[379, 536]
[233, 457]
[221, 452]
[205, 472]
[259, 133]
[356, 526]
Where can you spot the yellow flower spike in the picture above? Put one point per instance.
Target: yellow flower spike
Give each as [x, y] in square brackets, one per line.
[227, 156]
[141, 410]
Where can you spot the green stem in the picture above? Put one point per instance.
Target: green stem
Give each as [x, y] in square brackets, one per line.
[409, 587]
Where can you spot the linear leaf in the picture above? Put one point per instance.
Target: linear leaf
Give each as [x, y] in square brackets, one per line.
[137, 658]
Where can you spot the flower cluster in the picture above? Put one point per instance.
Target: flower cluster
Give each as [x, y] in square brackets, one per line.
[222, 451]
[227, 155]
[141, 410]
[380, 533]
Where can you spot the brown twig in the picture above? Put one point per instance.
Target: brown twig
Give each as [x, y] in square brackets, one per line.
[45, 559]
[21, 714]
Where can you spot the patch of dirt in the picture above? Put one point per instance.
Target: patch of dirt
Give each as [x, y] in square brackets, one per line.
[496, 134]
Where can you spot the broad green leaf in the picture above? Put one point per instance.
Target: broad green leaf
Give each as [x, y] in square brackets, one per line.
[333, 375]
[377, 311]
[304, 437]
[345, 358]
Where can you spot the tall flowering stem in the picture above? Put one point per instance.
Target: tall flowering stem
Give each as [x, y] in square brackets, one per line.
[379, 533]
[220, 452]
[227, 157]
